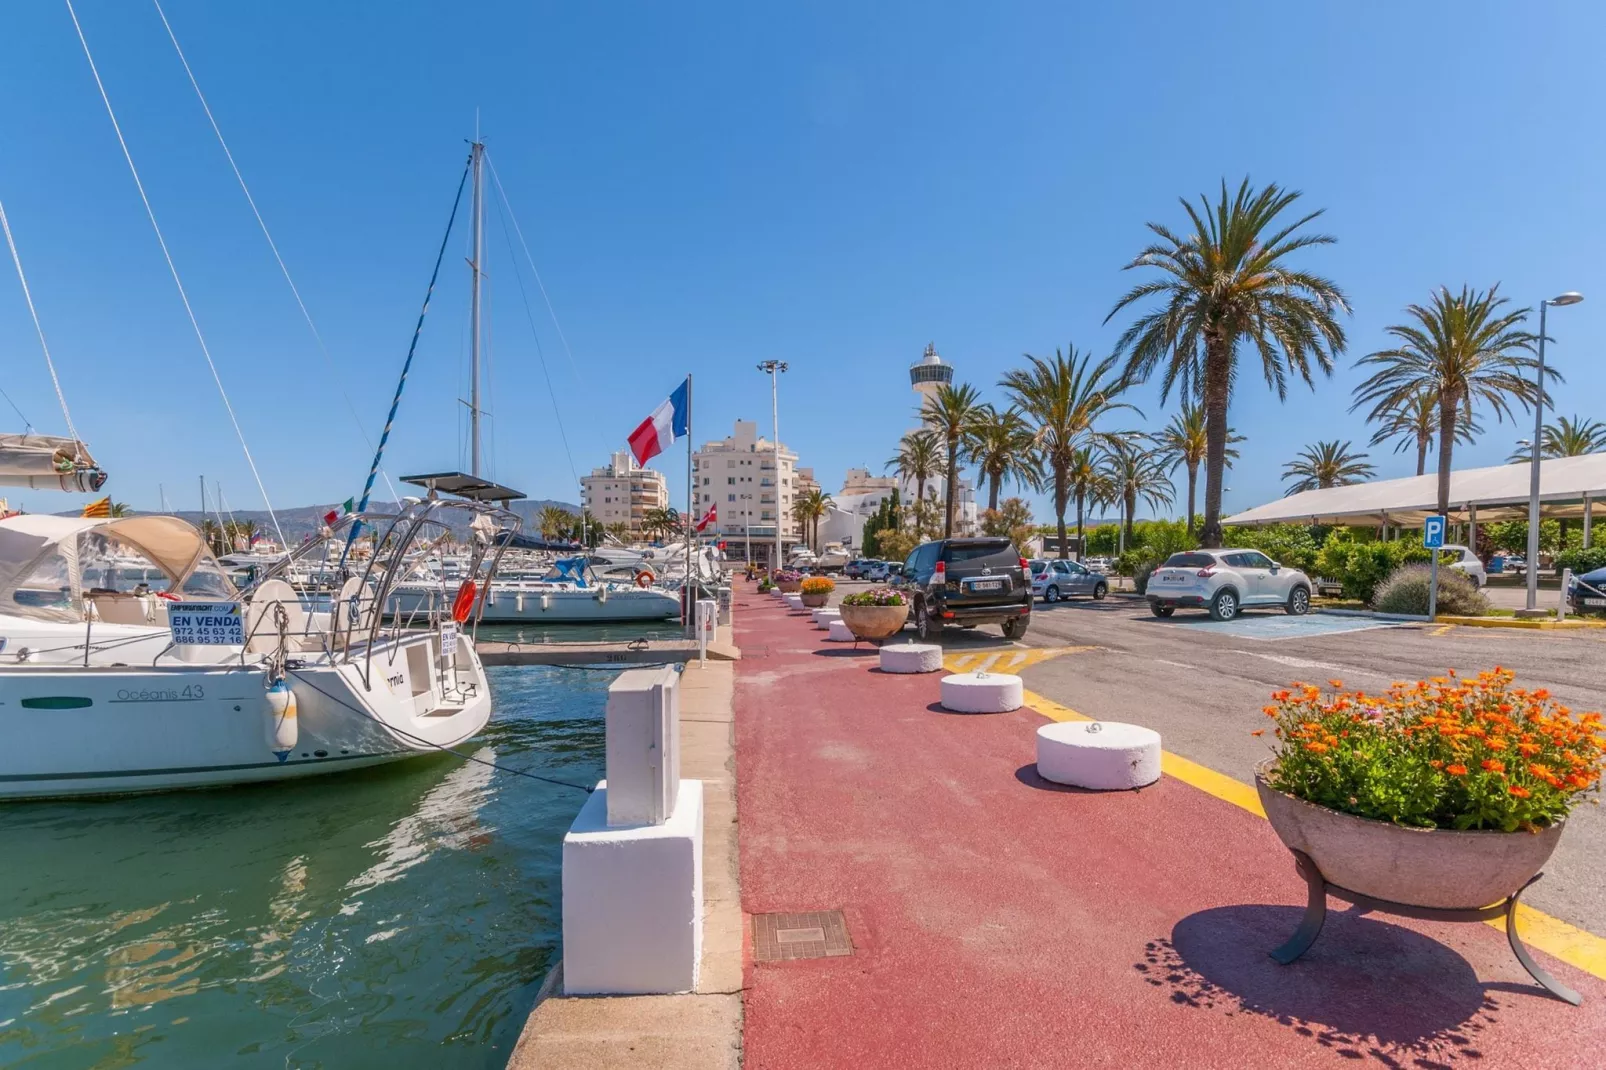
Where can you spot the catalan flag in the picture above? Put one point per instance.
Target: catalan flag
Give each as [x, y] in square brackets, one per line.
[102, 508]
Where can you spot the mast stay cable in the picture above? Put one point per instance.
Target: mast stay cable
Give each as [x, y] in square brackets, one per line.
[272, 245]
[173, 270]
[27, 294]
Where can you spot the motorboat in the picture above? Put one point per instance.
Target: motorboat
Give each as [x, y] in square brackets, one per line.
[833, 558]
[114, 683]
[569, 593]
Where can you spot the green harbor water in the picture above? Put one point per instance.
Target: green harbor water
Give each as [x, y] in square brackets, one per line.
[398, 917]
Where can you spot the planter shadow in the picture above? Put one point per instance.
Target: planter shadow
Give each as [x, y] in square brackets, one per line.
[1345, 994]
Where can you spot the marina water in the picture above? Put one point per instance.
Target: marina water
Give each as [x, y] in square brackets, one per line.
[398, 917]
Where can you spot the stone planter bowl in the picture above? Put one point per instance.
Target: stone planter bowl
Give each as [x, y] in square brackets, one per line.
[1443, 868]
[816, 601]
[789, 586]
[874, 622]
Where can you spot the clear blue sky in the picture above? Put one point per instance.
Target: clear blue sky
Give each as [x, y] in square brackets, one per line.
[705, 186]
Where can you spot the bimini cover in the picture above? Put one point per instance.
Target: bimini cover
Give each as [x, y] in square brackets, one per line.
[570, 568]
[45, 462]
[41, 553]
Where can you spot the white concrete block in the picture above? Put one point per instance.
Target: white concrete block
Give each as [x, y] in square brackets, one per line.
[982, 692]
[911, 657]
[839, 633]
[824, 617]
[793, 601]
[641, 741]
[1104, 755]
[633, 900]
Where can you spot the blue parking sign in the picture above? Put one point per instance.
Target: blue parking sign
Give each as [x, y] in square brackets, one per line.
[1433, 529]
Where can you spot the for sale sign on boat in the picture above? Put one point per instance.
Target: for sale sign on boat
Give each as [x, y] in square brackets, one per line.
[206, 623]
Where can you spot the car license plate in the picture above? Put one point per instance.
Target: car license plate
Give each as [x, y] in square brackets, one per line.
[1595, 601]
[986, 585]
[1170, 579]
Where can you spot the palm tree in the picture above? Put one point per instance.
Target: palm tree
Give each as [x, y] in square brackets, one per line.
[807, 510]
[1183, 441]
[1462, 349]
[954, 414]
[118, 509]
[1327, 464]
[919, 459]
[1415, 422]
[1088, 482]
[1063, 398]
[1134, 473]
[1564, 438]
[1223, 284]
[660, 522]
[1002, 449]
[555, 522]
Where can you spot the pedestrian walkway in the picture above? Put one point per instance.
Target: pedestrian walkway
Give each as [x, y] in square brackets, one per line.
[996, 920]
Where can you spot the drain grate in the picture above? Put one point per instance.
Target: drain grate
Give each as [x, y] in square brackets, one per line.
[813, 934]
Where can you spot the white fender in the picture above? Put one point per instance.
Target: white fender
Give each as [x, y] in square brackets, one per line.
[281, 726]
[520, 602]
[602, 595]
[546, 602]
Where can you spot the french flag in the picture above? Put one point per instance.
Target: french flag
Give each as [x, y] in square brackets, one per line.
[667, 423]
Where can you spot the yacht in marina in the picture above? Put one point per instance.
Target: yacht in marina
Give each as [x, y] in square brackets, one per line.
[570, 592]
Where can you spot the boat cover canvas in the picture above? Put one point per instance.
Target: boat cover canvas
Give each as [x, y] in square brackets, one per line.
[46, 462]
[26, 541]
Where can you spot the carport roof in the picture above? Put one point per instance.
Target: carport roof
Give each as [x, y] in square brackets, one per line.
[1497, 493]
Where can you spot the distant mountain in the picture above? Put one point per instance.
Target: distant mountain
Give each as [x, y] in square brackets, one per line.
[302, 520]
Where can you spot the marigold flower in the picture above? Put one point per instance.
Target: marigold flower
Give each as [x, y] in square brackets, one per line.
[1258, 732]
[1456, 770]
[1496, 744]
[1518, 790]
[1316, 748]
[1539, 770]
[1279, 696]
[1540, 693]
[1269, 711]
[1335, 684]
[1493, 766]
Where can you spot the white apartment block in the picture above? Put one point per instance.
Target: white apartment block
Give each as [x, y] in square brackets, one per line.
[753, 484]
[623, 492]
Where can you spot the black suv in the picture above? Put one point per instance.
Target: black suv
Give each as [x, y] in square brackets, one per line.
[965, 582]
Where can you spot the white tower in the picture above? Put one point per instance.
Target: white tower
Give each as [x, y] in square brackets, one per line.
[929, 374]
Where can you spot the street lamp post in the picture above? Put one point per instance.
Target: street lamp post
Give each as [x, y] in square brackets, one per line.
[774, 368]
[747, 540]
[1569, 298]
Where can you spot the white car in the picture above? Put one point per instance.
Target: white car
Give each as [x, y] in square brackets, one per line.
[1225, 581]
[1467, 562]
[1101, 565]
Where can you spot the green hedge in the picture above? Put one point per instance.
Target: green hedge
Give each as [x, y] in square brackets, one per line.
[1361, 566]
[1582, 561]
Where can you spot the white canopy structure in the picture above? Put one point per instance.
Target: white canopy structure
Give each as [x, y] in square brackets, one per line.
[1568, 486]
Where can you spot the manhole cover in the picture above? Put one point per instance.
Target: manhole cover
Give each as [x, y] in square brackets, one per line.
[814, 934]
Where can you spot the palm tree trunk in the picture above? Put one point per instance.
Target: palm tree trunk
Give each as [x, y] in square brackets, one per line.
[1422, 455]
[1081, 535]
[953, 489]
[1447, 408]
[992, 490]
[1060, 495]
[1193, 486]
[1129, 502]
[920, 498]
[1217, 392]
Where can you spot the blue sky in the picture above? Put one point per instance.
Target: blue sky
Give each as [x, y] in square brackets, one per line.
[705, 186]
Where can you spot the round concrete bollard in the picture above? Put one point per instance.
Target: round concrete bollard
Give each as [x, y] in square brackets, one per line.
[824, 617]
[1103, 755]
[911, 657]
[839, 633]
[793, 601]
[981, 692]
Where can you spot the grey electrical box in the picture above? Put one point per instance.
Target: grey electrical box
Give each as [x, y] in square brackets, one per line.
[642, 729]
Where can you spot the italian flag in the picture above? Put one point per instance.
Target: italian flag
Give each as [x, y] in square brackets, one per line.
[346, 508]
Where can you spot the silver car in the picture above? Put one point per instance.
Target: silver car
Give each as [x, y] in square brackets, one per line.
[1053, 580]
[1225, 581]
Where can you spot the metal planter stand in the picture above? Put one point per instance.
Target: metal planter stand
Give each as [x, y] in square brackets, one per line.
[1310, 926]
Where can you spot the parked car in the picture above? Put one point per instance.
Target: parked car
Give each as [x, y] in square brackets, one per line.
[1225, 581]
[876, 571]
[1462, 558]
[1056, 579]
[968, 582]
[854, 569]
[1588, 592]
[1101, 565]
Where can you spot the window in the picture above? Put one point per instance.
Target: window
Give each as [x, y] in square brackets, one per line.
[1187, 560]
[730, 497]
[730, 481]
[972, 551]
[1254, 559]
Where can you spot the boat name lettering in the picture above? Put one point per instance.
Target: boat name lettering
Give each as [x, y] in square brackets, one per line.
[394, 681]
[188, 693]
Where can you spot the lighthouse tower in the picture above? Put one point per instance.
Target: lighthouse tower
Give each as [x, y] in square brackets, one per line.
[930, 373]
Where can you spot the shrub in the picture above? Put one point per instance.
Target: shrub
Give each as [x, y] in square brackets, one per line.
[1287, 544]
[1582, 561]
[1406, 591]
[1361, 566]
[881, 596]
[765, 585]
[1443, 753]
[817, 585]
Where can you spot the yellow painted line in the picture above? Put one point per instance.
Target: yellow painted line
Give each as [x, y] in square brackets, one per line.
[1443, 628]
[1006, 660]
[1572, 945]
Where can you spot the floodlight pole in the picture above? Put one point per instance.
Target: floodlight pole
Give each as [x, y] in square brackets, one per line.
[1569, 298]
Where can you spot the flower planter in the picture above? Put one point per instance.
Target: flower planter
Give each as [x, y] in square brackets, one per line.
[789, 586]
[816, 601]
[1438, 868]
[874, 622]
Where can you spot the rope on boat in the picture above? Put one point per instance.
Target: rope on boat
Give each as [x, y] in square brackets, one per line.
[587, 788]
[27, 295]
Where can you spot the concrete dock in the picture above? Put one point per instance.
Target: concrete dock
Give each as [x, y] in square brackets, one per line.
[636, 652]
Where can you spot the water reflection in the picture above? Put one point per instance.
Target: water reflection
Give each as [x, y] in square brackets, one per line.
[353, 920]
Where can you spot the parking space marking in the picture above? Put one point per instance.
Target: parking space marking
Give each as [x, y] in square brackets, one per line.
[1010, 661]
[1444, 629]
[1269, 628]
[1576, 947]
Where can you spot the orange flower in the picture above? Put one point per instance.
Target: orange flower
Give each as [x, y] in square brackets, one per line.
[1493, 766]
[1540, 771]
[1528, 750]
[1279, 696]
[1518, 790]
[1316, 748]
[1541, 693]
[1456, 770]
[1258, 732]
[1335, 684]
[1497, 744]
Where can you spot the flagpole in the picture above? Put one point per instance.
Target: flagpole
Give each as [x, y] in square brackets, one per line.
[691, 503]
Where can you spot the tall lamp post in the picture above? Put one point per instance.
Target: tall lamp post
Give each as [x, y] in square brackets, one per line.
[747, 516]
[1569, 298]
[775, 368]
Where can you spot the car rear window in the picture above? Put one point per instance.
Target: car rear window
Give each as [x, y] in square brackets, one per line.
[1189, 561]
[971, 551]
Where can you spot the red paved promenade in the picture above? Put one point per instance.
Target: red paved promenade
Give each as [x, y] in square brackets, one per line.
[998, 921]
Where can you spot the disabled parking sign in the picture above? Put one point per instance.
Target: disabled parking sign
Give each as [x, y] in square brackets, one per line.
[1433, 529]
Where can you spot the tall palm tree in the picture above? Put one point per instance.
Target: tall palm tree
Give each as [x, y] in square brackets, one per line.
[808, 509]
[1183, 442]
[1226, 283]
[118, 509]
[1136, 473]
[656, 523]
[1573, 437]
[954, 414]
[555, 522]
[1415, 422]
[1063, 398]
[1462, 349]
[1327, 464]
[1088, 482]
[1002, 447]
[920, 460]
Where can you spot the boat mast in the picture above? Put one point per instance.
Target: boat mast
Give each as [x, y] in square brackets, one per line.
[477, 158]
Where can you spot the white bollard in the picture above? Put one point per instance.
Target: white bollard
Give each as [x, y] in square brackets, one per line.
[839, 633]
[824, 617]
[1566, 582]
[911, 657]
[982, 692]
[1102, 755]
[793, 601]
[707, 618]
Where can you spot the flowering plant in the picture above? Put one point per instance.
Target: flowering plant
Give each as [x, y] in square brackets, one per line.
[881, 596]
[1443, 753]
[817, 585]
[787, 575]
[765, 585]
